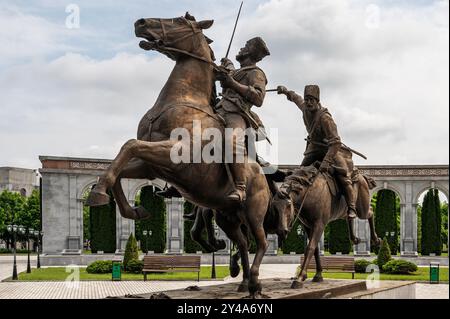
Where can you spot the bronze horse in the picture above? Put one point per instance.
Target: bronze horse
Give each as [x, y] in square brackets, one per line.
[307, 195]
[185, 98]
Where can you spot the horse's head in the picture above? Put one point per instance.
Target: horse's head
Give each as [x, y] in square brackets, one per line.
[182, 34]
[283, 210]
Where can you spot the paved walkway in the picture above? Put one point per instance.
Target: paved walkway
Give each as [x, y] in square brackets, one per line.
[102, 289]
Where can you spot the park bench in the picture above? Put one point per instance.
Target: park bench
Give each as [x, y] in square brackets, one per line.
[333, 264]
[171, 263]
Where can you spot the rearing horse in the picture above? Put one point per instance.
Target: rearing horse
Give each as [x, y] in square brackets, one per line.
[184, 99]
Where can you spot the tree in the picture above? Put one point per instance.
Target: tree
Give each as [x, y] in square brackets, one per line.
[386, 218]
[438, 223]
[339, 237]
[384, 254]
[444, 228]
[103, 227]
[431, 223]
[12, 210]
[156, 206]
[131, 251]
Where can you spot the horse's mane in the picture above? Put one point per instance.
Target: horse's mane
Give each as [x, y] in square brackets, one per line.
[301, 177]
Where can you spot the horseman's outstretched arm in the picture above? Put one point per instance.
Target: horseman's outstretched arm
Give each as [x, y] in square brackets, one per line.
[292, 96]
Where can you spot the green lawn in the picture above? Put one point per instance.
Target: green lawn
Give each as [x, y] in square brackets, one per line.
[60, 274]
[422, 274]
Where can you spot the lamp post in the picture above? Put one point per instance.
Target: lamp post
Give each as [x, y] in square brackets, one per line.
[213, 266]
[300, 232]
[13, 229]
[146, 233]
[28, 231]
[37, 234]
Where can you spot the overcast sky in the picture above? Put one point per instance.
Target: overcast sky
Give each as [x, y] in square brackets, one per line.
[382, 67]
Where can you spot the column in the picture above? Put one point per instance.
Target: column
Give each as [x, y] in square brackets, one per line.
[175, 225]
[362, 231]
[74, 238]
[408, 240]
[124, 226]
[272, 240]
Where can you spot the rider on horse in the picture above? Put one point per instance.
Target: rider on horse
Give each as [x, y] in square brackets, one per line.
[323, 141]
[242, 88]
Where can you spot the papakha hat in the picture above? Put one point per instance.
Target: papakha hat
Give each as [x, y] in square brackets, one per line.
[259, 48]
[312, 90]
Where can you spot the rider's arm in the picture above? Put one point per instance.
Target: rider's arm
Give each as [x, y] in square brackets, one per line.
[332, 138]
[227, 64]
[253, 93]
[297, 99]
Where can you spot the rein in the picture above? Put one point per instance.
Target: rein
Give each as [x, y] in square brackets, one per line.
[164, 45]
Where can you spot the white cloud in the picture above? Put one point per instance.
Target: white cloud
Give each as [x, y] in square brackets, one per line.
[387, 87]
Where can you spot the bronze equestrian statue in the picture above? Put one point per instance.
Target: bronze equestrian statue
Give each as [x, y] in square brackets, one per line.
[310, 193]
[242, 88]
[323, 141]
[186, 97]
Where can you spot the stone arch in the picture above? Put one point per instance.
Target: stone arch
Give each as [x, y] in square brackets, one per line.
[84, 188]
[390, 187]
[426, 188]
[138, 186]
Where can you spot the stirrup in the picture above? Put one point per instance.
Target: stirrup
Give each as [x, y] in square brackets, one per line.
[237, 195]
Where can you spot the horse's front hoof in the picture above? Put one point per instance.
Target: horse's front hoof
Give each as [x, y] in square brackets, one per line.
[254, 288]
[96, 198]
[317, 278]
[296, 284]
[243, 287]
[141, 213]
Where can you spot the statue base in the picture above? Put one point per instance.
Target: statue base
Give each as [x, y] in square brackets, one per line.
[275, 288]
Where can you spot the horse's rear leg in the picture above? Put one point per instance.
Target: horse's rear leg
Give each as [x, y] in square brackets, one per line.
[154, 153]
[134, 169]
[314, 238]
[375, 240]
[351, 231]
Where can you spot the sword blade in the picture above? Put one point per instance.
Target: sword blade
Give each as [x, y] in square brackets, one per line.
[234, 30]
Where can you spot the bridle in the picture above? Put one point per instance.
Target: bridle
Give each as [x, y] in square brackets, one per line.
[165, 45]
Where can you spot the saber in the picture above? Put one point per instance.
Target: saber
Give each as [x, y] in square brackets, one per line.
[234, 30]
[272, 90]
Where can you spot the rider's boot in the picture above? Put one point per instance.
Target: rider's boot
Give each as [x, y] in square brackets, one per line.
[169, 193]
[349, 195]
[238, 172]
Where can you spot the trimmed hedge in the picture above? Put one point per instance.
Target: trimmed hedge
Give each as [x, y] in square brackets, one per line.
[135, 266]
[100, 267]
[399, 267]
[339, 237]
[156, 206]
[102, 227]
[361, 265]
